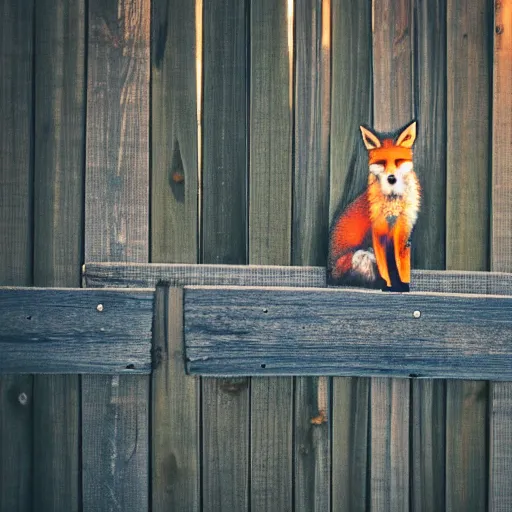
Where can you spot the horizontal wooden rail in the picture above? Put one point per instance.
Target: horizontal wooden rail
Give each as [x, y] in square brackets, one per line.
[75, 330]
[234, 331]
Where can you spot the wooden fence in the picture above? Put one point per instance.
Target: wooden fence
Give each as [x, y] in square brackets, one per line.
[223, 132]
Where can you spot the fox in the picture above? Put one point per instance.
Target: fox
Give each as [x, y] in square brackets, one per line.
[370, 240]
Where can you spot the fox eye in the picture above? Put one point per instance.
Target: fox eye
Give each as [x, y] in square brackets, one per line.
[377, 168]
[403, 165]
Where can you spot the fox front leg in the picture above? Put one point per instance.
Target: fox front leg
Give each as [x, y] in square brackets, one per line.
[402, 245]
[379, 247]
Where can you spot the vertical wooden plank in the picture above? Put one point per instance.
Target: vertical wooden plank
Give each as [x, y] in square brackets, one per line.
[174, 145]
[175, 397]
[500, 490]
[350, 472]
[467, 231]
[58, 220]
[270, 186]
[310, 232]
[429, 248]
[175, 412]
[390, 398]
[16, 64]
[115, 409]
[351, 79]
[225, 403]
[466, 445]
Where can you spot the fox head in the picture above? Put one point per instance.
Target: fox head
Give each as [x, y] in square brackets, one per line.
[390, 159]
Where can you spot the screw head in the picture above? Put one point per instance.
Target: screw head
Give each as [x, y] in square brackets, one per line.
[99, 307]
[416, 314]
[23, 398]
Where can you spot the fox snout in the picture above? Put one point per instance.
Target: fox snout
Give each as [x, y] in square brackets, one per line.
[392, 179]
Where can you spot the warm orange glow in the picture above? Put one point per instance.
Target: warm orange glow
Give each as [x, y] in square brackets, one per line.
[326, 24]
[199, 96]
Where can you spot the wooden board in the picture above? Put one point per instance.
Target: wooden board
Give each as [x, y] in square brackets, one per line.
[270, 211]
[351, 79]
[310, 224]
[174, 129]
[75, 331]
[467, 229]
[16, 177]
[224, 234]
[149, 275]
[265, 331]
[174, 412]
[116, 465]
[500, 466]
[58, 215]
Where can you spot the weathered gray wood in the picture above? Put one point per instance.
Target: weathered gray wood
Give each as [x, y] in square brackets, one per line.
[351, 78]
[236, 330]
[175, 164]
[310, 224]
[225, 404]
[117, 229]
[350, 464]
[149, 275]
[174, 412]
[467, 229]
[16, 108]
[428, 434]
[62, 331]
[16, 430]
[225, 123]
[466, 446]
[270, 210]
[500, 446]
[58, 216]
[174, 128]
[389, 477]
[114, 443]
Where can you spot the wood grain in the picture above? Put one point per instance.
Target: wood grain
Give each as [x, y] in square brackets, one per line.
[174, 412]
[351, 78]
[270, 210]
[393, 107]
[58, 220]
[500, 466]
[62, 331]
[174, 128]
[225, 403]
[350, 464]
[467, 229]
[16, 176]
[279, 331]
[116, 464]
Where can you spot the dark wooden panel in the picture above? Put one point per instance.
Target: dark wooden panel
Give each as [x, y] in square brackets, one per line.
[236, 330]
[469, 26]
[393, 107]
[310, 226]
[225, 404]
[350, 472]
[75, 331]
[270, 210]
[58, 235]
[116, 465]
[16, 429]
[500, 489]
[351, 106]
[149, 275]
[175, 483]
[174, 128]
[16, 109]
[225, 128]
[115, 439]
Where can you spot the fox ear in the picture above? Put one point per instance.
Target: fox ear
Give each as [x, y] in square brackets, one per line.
[407, 136]
[370, 140]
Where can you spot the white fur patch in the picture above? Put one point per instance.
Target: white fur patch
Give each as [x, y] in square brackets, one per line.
[365, 264]
[376, 169]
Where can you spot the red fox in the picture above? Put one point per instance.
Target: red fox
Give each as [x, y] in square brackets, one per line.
[369, 243]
